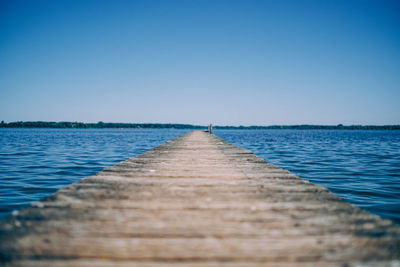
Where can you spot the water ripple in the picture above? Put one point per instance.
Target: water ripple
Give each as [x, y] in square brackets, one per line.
[362, 167]
[34, 163]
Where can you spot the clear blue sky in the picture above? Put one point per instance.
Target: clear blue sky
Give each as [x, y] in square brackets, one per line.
[225, 62]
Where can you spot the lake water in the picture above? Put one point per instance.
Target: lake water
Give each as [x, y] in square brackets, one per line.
[362, 167]
[34, 163]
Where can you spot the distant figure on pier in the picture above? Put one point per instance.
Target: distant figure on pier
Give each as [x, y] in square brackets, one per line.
[209, 130]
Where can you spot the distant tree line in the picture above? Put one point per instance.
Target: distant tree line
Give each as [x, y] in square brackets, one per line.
[100, 124]
[315, 127]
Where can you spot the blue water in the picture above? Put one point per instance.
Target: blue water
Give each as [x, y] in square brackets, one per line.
[34, 163]
[362, 167]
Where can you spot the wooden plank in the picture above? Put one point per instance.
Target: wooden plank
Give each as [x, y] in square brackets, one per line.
[194, 201]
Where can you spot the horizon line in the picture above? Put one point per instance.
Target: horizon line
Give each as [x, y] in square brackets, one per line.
[104, 124]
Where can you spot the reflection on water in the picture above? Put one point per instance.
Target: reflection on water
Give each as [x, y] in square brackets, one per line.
[362, 167]
[34, 163]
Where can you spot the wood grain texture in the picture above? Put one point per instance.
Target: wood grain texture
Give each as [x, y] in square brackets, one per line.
[196, 201]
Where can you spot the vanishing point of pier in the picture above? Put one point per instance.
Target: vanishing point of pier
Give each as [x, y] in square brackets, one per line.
[196, 201]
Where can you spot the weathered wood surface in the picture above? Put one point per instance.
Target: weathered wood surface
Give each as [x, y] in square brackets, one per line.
[194, 201]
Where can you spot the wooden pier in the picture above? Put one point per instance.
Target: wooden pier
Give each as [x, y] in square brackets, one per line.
[196, 201]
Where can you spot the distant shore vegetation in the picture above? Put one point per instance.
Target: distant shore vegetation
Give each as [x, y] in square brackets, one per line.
[101, 125]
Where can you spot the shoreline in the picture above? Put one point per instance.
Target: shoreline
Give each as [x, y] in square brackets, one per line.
[114, 125]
